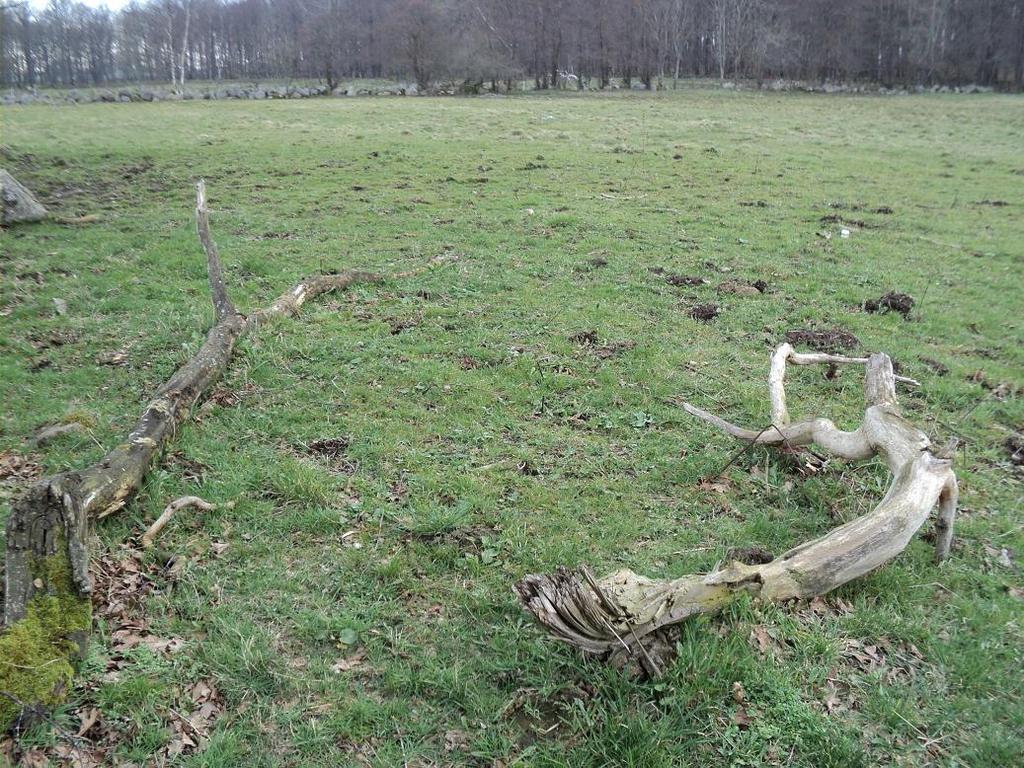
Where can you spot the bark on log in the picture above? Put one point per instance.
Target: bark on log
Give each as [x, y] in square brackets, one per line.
[16, 203]
[613, 616]
[47, 608]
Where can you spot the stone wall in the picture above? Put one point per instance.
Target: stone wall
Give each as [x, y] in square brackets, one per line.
[135, 93]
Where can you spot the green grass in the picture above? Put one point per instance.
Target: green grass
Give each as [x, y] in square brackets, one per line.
[485, 443]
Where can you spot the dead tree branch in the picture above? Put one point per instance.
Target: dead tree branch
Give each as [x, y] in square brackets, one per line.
[47, 609]
[616, 613]
[169, 511]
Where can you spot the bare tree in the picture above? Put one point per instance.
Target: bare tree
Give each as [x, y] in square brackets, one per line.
[553, 42]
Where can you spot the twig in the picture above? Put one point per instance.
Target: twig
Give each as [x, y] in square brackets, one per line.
[741, 451]
[185, 501]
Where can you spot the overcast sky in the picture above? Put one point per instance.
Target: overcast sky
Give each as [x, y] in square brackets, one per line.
[111, 4]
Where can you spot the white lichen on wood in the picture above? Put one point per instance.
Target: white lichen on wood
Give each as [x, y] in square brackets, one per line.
[614, 614]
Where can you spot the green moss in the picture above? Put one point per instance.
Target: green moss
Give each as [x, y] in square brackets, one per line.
[36, 653]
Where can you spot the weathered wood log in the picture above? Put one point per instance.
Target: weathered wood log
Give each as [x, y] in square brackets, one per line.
[613, 616]
[47, 608]
[16, 203]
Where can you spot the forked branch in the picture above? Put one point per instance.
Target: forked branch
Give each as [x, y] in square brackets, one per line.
[615, 614]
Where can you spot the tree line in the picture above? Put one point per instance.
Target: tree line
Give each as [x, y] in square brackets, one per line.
[499, 43]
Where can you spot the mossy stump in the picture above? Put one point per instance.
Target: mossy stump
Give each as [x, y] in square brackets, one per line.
[38, 651]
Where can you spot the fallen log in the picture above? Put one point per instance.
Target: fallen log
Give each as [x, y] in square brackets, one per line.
[617, 615]
[47, 607]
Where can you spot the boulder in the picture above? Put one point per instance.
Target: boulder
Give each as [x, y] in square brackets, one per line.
[18, 203]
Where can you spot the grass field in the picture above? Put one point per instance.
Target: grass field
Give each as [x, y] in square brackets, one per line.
[354, 606]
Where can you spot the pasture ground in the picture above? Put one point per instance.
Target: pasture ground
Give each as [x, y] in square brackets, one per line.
[399, 455]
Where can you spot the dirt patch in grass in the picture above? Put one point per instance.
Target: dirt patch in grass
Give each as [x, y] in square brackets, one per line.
[739, 288]
[891, 302]
[49, 339]
[613, 348]
[833, 340]
[334, 451]
[589, 340]
[329, 447]
[691, 280]
[705, 313]
[399, 324]
[584, 338]
[540, 717]
[835, 218]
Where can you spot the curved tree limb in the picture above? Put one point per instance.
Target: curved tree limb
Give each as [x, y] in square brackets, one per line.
[47, 610]
[614, 615]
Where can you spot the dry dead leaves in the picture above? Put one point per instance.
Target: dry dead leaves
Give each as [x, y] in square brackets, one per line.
[94, 742]
[17, 471]
[351, 662]
[122, 583]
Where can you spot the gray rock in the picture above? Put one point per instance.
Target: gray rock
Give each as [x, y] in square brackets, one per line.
[18, 203]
